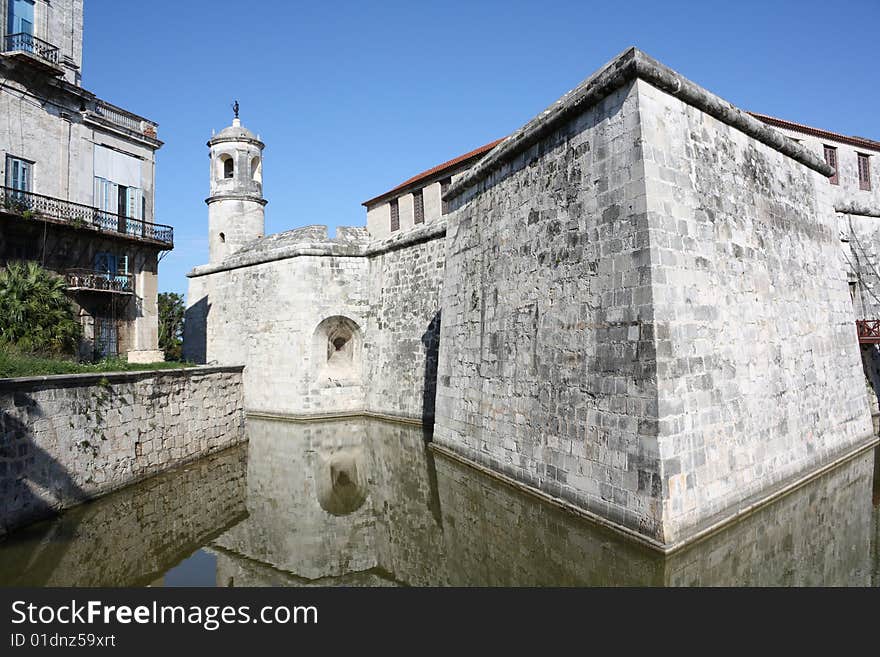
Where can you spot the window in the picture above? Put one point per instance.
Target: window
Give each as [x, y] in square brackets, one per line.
[228, 167]
[831, 160]
[18, 174]
[864, 172]
[21, 17]
[395, 216]
[419, 207]
[444, 186]
[256, 170]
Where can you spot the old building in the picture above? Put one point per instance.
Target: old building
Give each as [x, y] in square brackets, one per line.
[640, 304]
[78, 179]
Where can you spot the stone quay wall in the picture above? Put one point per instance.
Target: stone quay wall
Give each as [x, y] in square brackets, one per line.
[67, 439]
[644, 290]
[132, 537]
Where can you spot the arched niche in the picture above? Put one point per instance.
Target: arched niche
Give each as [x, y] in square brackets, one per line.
[257, 169]
[341, 480]
[337, 352]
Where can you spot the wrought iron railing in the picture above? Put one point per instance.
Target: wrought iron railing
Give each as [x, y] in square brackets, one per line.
[868, 330]
[24, 42]
[88, 279]
[36, 206]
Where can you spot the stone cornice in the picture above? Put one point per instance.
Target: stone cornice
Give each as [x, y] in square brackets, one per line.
[630, 65]
[94, 378]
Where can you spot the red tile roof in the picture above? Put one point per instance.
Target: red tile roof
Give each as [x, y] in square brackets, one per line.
[440, 168]
[859, 142]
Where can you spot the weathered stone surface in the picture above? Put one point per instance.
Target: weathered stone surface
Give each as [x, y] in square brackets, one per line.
[640, 300]
[66, 439]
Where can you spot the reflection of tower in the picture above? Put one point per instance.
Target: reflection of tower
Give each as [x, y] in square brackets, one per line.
[235, 207]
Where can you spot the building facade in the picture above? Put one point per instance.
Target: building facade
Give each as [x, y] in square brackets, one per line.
[78, 178]
[641, 305]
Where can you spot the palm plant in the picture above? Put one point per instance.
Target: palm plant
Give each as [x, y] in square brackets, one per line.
[35, 313]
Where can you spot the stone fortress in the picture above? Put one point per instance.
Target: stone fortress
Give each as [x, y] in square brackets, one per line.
[648, 301]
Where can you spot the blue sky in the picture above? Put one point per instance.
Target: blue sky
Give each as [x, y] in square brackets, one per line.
[352, 98]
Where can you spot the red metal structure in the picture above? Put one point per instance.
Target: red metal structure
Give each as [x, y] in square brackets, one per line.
[868, 330]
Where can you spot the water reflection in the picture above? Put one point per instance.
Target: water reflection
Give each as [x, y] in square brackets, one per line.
[366, 503]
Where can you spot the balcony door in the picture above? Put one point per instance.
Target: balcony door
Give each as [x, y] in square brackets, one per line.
[21, 17]
[18, 174]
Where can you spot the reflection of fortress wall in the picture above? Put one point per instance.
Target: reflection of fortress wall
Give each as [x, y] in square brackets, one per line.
[236, 570]
[496, 536]
[287, 526]
[136, 535]
[409, 533]
[307, 522]
[817, 535]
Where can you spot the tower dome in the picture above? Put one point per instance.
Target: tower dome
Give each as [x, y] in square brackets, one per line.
[235, 206]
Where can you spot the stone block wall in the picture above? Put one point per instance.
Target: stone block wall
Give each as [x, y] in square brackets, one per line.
[404, 329]
[645, 308]
[758, 372]
[66, 439]
[280, 306]
[547, 351]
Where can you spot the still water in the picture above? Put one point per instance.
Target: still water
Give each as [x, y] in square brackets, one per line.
[366, 503]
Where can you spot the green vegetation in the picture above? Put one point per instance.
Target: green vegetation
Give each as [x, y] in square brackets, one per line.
[39, 334]
[14, 362]
[171, 316]
[35, 313]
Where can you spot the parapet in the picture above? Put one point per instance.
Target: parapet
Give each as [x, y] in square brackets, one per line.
[306, 240]
[629, 65]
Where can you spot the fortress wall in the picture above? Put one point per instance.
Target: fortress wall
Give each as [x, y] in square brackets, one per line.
[404, 329]
[268, 316]
[758, 370]
[646, 310]
[546, 354]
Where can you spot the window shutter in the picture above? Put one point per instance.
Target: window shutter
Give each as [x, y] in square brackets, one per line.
[395, 215]
[831, 160]
[419, 207]
[864, 172]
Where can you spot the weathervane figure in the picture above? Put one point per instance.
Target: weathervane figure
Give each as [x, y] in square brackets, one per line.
[235, 108]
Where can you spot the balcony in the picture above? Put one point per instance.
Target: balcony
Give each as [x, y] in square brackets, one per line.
[35, 207]
[31, 50]
[88, 280]
[109, 116]
[868, 331]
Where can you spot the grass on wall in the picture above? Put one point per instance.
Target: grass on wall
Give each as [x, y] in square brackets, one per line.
[15, 363]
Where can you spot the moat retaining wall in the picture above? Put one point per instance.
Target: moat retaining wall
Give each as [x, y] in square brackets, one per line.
[66, 439]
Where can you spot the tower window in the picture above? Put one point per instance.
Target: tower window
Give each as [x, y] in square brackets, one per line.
[223, 238]
[256, 170]
[831, 160]
[864, 172]
[419, 207]
[395, 215]
[228, 168]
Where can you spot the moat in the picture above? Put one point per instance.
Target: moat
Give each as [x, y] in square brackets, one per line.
[368, 503]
